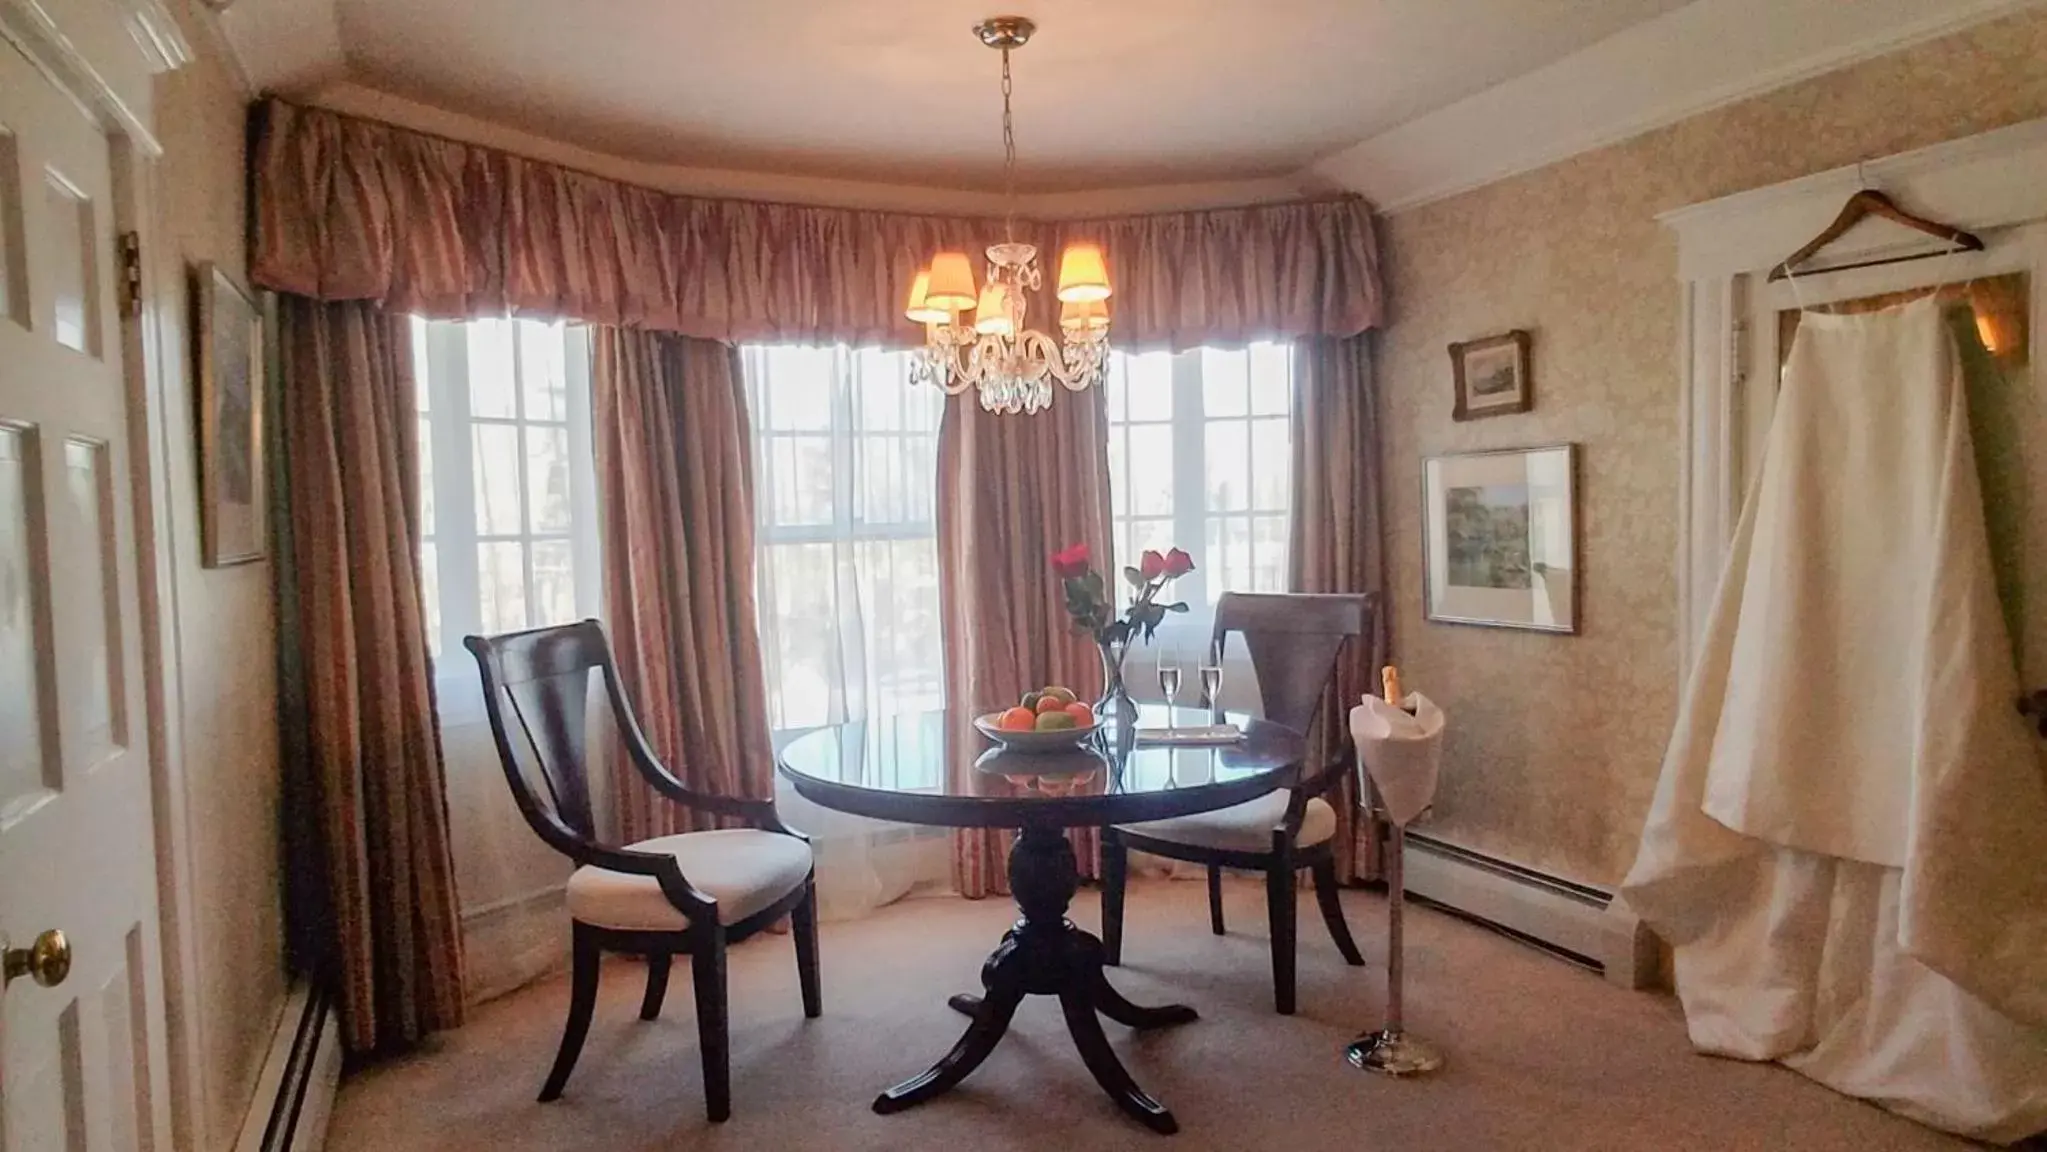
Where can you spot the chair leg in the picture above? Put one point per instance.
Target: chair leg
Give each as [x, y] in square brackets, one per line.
[1279, 904]
[707, 972]
[1215, 899]
[1326, 895]
[803, 924]
[585, 958]
[657, 985]
[1115, 874]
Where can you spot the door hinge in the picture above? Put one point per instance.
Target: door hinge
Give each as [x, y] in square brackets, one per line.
[129, 260]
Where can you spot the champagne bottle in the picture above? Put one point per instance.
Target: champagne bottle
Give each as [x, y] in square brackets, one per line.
[1389, 683]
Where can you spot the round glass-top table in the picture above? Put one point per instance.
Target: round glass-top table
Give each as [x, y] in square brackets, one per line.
[897, 770]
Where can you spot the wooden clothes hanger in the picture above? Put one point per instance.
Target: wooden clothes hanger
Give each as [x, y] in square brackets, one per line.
[1861, 206]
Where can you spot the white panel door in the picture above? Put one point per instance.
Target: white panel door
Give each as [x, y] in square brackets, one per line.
[76, 853]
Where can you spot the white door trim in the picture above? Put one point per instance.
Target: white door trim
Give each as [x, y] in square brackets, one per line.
[106, 58]
[1994, 184]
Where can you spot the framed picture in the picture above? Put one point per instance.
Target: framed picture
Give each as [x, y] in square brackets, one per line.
[228, 349]
[1500, 538]
[1492, 376]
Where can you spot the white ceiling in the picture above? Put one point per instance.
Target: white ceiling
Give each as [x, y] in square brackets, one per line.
[1111, 93]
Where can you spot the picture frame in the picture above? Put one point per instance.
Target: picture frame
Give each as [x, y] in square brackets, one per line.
[1491, 376]
[229, 361]
[1500, 538]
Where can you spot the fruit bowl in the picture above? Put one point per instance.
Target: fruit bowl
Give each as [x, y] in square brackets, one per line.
[1023, 740]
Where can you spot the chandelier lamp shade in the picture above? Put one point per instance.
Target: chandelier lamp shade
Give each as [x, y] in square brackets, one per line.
[976, 335]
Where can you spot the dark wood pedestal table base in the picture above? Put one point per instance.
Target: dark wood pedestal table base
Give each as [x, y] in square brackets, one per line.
[855, 768]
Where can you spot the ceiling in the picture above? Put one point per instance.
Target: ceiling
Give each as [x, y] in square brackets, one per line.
[1111, 93]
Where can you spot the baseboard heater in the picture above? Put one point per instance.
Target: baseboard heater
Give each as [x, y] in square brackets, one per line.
[295, 1094]
[1577, 922]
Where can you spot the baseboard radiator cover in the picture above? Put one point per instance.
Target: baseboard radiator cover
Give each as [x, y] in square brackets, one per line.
[1578, 922]
[295, 1094]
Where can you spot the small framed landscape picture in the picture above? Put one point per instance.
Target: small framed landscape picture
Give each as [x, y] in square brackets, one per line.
[1492, 376]
[228, 348]
[1500, 538]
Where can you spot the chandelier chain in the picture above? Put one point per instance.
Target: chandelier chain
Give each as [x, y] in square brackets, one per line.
[1008, 156]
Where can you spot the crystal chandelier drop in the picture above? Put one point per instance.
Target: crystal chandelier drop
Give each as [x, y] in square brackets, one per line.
[979, 339]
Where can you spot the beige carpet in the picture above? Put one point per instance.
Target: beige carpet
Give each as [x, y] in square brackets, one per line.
[1541, 1055]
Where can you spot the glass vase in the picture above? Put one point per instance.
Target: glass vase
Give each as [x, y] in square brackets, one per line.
[1115, 703]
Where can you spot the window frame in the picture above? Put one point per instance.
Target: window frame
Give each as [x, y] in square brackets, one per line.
[1189, 425]
[447, 426]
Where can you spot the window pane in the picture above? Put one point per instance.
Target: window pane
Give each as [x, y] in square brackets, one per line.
[421, 377]
[1119, 481]
[800, 480]
[554, 583]
[1271, 465]
[547, 478]
[802, 644]
[543, 370]
[1149, 385]
[1225, 382]
[796, 388]
[1272, 379]
[501, 586]
[491, 380]
[494, 459]
[1115, 386]
[430, 596]
[1268, 554]
[881, 390]
[1229, 556]
[1151, 469]
[1227, 465]
[426, 476]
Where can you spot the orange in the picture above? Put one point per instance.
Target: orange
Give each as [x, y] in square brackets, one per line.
[1017, 720]
[1082, 714]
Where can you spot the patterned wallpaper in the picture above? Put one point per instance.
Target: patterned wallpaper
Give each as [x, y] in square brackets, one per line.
[1555, 741]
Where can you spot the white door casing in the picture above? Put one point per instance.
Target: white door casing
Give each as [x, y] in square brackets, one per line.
[82, 1064]
[1993, 184]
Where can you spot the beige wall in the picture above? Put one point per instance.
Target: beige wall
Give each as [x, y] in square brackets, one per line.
[225, 618]
[1555, 741]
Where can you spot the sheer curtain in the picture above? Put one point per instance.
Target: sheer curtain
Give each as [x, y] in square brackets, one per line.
[845, 455]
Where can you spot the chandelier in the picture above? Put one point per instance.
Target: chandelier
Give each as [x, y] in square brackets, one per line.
[978, 339]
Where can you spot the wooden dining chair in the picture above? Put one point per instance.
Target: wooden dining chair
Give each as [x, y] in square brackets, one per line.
[1294, 640]
[691, 894]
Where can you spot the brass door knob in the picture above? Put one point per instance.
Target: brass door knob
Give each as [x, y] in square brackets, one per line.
[48, 960]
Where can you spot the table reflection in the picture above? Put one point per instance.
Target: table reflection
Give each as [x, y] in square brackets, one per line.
[908, 754]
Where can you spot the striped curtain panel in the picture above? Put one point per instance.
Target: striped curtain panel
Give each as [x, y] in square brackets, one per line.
[1339, 545]
[1012, 490]
[371, 874]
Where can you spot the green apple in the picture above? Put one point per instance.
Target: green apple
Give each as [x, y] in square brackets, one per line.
[1054, 721]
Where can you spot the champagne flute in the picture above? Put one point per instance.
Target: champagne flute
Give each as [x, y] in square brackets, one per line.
[1212, 678]
[1169, 678]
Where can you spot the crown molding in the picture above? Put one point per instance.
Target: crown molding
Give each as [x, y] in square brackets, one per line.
[361, 100]
[1640, 79]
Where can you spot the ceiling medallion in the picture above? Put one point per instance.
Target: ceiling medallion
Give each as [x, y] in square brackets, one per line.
[978, 339]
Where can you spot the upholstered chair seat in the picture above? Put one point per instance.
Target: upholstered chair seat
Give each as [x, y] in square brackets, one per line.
[1245, 827]
[743, 869]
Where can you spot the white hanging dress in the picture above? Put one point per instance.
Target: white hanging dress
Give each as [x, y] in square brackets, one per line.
[1848, 845]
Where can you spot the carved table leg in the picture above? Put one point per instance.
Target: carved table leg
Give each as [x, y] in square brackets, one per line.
[1045, 955]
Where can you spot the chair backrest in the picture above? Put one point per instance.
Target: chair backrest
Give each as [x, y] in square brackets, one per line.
[1294, 639]
[536, 692]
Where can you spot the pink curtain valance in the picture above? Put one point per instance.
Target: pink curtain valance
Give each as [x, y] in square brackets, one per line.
[354, 209]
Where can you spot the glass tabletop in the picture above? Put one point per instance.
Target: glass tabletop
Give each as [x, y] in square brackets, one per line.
[898, 769]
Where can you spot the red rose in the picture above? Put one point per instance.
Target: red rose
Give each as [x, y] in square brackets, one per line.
[1177, 563]
[1151, 564]
[1072, 563]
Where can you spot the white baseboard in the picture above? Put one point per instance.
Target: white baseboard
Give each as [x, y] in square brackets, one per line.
[1582, 923]
[295, 1094]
